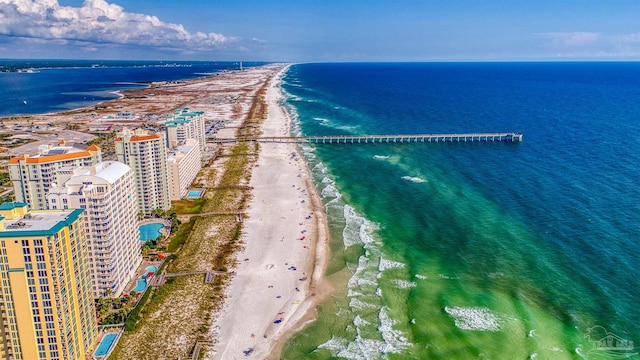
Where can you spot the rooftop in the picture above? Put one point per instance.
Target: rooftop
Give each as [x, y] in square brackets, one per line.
[11, 205]
[109, 171]
[40, 223]
[55, 153]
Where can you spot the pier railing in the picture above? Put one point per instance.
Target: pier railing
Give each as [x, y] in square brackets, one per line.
[380, 139]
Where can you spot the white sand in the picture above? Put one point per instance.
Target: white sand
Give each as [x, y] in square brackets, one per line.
[265, 288]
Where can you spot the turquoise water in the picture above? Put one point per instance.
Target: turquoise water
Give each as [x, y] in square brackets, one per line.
[141, 284]
[474, 250]
[151, 268]
[194, 193]
[150, 231]
[105, 344]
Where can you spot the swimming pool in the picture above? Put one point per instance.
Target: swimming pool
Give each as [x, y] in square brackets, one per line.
[149, 269]
[150, 231]
[141, 284]
[105, 344]
[194, 194]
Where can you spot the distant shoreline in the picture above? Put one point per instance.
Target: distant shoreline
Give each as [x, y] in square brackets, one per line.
[46, 88]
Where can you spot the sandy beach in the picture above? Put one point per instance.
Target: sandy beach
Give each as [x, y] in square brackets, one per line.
[278, 280]
[279, 277]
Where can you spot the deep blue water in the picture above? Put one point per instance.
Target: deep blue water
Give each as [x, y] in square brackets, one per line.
[447, 251]
[475, 250]
[57, 85]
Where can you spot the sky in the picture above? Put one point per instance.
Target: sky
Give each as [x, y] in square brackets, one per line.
[321, 30]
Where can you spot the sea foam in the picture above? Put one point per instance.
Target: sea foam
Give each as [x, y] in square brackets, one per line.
[357, 230]
[330, 191]
[414, 179]
[474, 318]
[389, 264]
[404, 284]
[394, 339]
[334, 345]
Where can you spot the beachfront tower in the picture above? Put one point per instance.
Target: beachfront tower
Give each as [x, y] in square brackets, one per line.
[107, 193]
[146, 154]
[186, 124]
[184, 163]
[33, 175]
[46, 302]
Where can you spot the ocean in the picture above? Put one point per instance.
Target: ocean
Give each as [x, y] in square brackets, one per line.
[446, 251]
[475, 250]
[30, 87]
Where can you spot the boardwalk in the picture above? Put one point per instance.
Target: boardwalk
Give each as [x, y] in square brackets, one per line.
[382, 139]
[209, 276]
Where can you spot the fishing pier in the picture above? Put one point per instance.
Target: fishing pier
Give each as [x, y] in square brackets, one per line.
[381, 139]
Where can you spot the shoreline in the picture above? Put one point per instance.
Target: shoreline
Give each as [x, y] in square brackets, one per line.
[280, 279]
[120, 93]
[125, 98]
[284, 207]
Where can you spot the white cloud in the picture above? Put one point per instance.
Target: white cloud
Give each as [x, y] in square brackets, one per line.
[99, 22]
[593, 45]
[572, 39]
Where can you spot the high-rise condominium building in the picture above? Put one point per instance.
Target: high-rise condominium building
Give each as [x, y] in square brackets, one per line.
[146, 154]
[46, 302]
[107, 193]
[33, 175]
[186, 124]
[183, 163]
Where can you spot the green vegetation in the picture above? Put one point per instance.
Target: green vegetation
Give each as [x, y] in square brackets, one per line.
[188, 206]
[180, 237]
[170, 319]
[114, 310]
[4, 178]
[134, 316]
[106, 142]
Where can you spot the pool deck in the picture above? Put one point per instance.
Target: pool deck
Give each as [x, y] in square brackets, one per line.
[101, 335]
[141, 270]
[200, 194]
